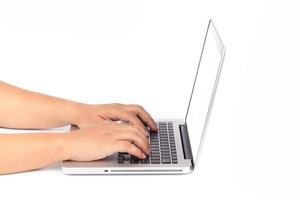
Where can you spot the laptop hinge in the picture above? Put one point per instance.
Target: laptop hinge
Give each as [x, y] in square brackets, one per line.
[186, 145]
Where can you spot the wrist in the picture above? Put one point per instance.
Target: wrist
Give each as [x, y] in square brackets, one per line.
[74, 113]
[59, 145]
[68, 145]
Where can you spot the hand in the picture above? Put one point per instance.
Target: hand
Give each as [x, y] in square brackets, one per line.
[106, 138]
[133, 114]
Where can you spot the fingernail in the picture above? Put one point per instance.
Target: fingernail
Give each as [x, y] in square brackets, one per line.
[144, 156]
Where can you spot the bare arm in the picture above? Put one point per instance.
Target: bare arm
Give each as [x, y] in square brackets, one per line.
[21, 108]
[23, 152]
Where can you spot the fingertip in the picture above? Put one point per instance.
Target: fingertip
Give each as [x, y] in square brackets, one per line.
[143, 156]
[153, 127]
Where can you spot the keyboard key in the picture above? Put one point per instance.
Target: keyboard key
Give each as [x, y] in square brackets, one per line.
[122, 156]
[155, 161]
[163, 135]
[166, 161]
[134, 160]
[155, 153]
[164, 140]
[155, 157]
[146, 160]
[154, 146]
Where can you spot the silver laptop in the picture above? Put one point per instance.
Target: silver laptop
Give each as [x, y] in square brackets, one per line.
[175, 148]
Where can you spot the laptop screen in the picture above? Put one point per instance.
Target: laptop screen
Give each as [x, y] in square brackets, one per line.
[204, 89]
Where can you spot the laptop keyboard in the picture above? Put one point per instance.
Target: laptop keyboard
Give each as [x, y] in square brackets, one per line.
[163, 148]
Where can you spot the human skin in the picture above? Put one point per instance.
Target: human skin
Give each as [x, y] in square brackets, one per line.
[99, 135]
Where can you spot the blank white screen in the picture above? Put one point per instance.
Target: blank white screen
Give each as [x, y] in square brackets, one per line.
[203, 90]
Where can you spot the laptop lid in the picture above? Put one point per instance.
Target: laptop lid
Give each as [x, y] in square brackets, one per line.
[204, 88]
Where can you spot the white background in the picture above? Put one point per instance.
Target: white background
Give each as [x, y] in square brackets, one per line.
[146, 52]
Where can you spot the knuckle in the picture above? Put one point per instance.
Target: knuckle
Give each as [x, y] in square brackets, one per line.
[131, 148]
[136, 106]
[128, 145]
[130, 112]
[131, 117]
[125, 146]
[139, 107]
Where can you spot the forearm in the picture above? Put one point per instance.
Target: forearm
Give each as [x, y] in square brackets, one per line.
[23, 152]
[21, 108]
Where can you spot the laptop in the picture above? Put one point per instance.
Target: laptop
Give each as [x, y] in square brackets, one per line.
[175, 148]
